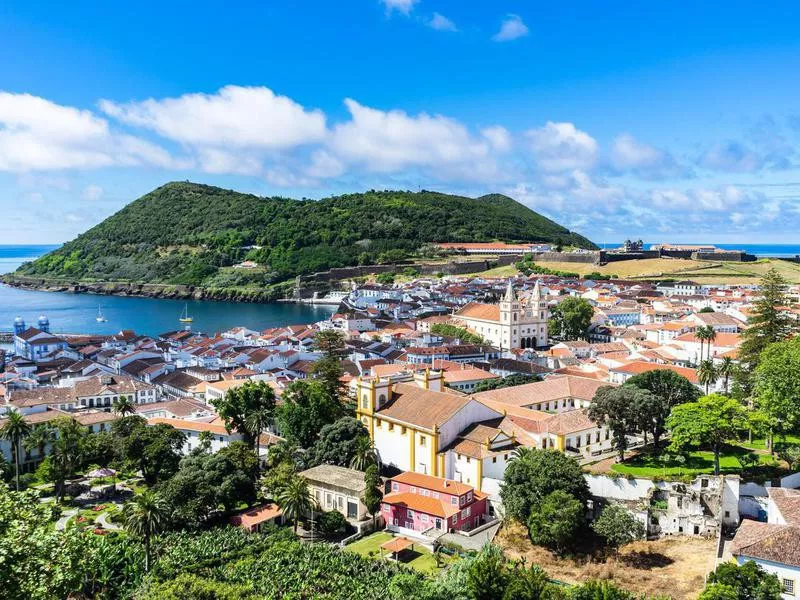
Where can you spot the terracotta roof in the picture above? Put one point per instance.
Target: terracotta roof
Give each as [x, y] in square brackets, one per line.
[397, 544]
[477, 310]
[414, 405]
[423, 504]
[765, 541]
[42, 395]
[257, 515]
[341, 477]
[788, 503]
[436, 484]
[636, 367]
[187, 425]
[552, 388]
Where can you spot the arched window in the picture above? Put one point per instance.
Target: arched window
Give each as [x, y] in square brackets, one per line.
[381, 400]
[365, 401]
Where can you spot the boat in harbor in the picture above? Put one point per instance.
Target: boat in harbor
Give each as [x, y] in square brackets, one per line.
[100, 318]
[185, 317]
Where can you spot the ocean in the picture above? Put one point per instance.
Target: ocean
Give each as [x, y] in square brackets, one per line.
[76, 313]
[771, 250]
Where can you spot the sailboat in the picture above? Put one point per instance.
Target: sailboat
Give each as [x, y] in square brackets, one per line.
[100, 318]
[185, 318]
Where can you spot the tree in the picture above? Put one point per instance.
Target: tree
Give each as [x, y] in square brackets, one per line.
[718, 591]
[203, 484]
[66, 451]
[600, 590]
[711, 421]
[616, 408]
[328, 370]
[726, 369]
[124, 406]
[791, 454]
[330, 342]
[306, 409]
[38, 561]
[465, 336]
[777, 387]
[38, 439]
[295, 499]
[487, 576]
[338, 442]
[204, 439]
[768, 323]
[373, 492]
[570, 318]
[618, 526]
[155, 450]
[365, 454]
[145, 517]
[533, 474]
[557, 521]
[503, 382]
[239, 405]
[531, 584]
[670, 389]
[277, 478]
[707, 374]
[14, 429]
[706, 309]
[99, 449]
[748, 582]
[332, 522]
[242, 457]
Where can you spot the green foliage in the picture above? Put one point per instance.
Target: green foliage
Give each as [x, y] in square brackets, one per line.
[777, 385]
[386, 278]
[557, 521]
[618, 526]
[155, 450]
[332, 522]
[503, 382]
[338, 442]
[191, 587]
[533, 474]
[599, 590]
[487, 576]
[570, 318]
[624, 410]
[373, 494]
[307, 407]
[453, 331]
[203, 484]
[709, 422]
[746, 582]
[528, 267]
[248, 408]
[186, 233]
[670, 389]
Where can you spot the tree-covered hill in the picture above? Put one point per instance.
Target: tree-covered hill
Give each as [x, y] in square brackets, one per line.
[187, 233]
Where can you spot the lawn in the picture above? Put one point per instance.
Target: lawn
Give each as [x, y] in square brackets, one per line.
[650, 466]
[761, 444]
[421, 559]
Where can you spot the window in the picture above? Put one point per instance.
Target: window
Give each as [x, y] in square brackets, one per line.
[409, 514]
[469, 496]
[423, 518]
[402, 431]
[395, 486]
[466, 512]
[788, 587]
[453, 500]
[422, 440]
[365, 402]
[413, 489]
[378, 422]
[494, 459]
[391, 426]
[435, 495]
[386, 508]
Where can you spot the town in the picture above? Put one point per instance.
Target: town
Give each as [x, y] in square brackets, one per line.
[438, 425]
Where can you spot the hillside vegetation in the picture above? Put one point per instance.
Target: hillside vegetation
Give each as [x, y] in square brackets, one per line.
[192, 234]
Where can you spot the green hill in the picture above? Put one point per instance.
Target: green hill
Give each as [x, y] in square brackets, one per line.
[192, 234]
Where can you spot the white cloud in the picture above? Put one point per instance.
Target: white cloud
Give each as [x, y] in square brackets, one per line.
[37, 134]
[241, 117]
[498, 136]
[630, 155]
[731, 156]
[388, 141]
[511, 28]
[324, 165]
[441, 23]
[92, 192]
[562, 147]
[401, 6]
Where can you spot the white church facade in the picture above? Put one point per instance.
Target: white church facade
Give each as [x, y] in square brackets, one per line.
[513, 323]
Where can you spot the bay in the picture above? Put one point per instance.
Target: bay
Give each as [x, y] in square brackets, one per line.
[76, 313]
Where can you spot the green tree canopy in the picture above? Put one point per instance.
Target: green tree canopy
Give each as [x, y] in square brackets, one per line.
[533, 474]
[709, 422]
[747, 582]
[618, 526]
[622, 409]
[338, 442]
[777, 387]
[570, 319]
[248, 409]
[556, 522]
[503, 382]
[306, 409]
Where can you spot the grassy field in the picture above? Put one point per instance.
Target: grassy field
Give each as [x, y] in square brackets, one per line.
[650, 466]
[420, 558]
[656, 268]
[674, 566]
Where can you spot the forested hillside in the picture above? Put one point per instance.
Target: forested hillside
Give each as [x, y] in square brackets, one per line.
[187, 233]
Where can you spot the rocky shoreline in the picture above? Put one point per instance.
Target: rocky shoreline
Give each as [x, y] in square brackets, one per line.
[145, 290]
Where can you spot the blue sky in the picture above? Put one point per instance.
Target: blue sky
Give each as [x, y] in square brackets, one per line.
[670, 121]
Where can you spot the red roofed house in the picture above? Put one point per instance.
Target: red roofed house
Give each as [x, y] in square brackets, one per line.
[420, 502]
[253, 519]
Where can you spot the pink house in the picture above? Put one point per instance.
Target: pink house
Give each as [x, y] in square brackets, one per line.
[419, 502]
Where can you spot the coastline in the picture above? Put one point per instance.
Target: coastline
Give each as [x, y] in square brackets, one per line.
[149, 290]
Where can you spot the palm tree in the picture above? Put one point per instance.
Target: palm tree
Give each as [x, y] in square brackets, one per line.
[711, 336]
[726, 369]
[295, 499]
[38, 439]
[205, 438]
[124, 406]
[66, 451]
[257, 423]
[365, 454]
[701, 334]
[14, 429]
[146, 516]
[707, 373]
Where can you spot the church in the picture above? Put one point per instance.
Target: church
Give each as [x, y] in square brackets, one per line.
[512, 323]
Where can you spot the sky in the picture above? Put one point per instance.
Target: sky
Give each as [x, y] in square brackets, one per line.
[667, 121]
